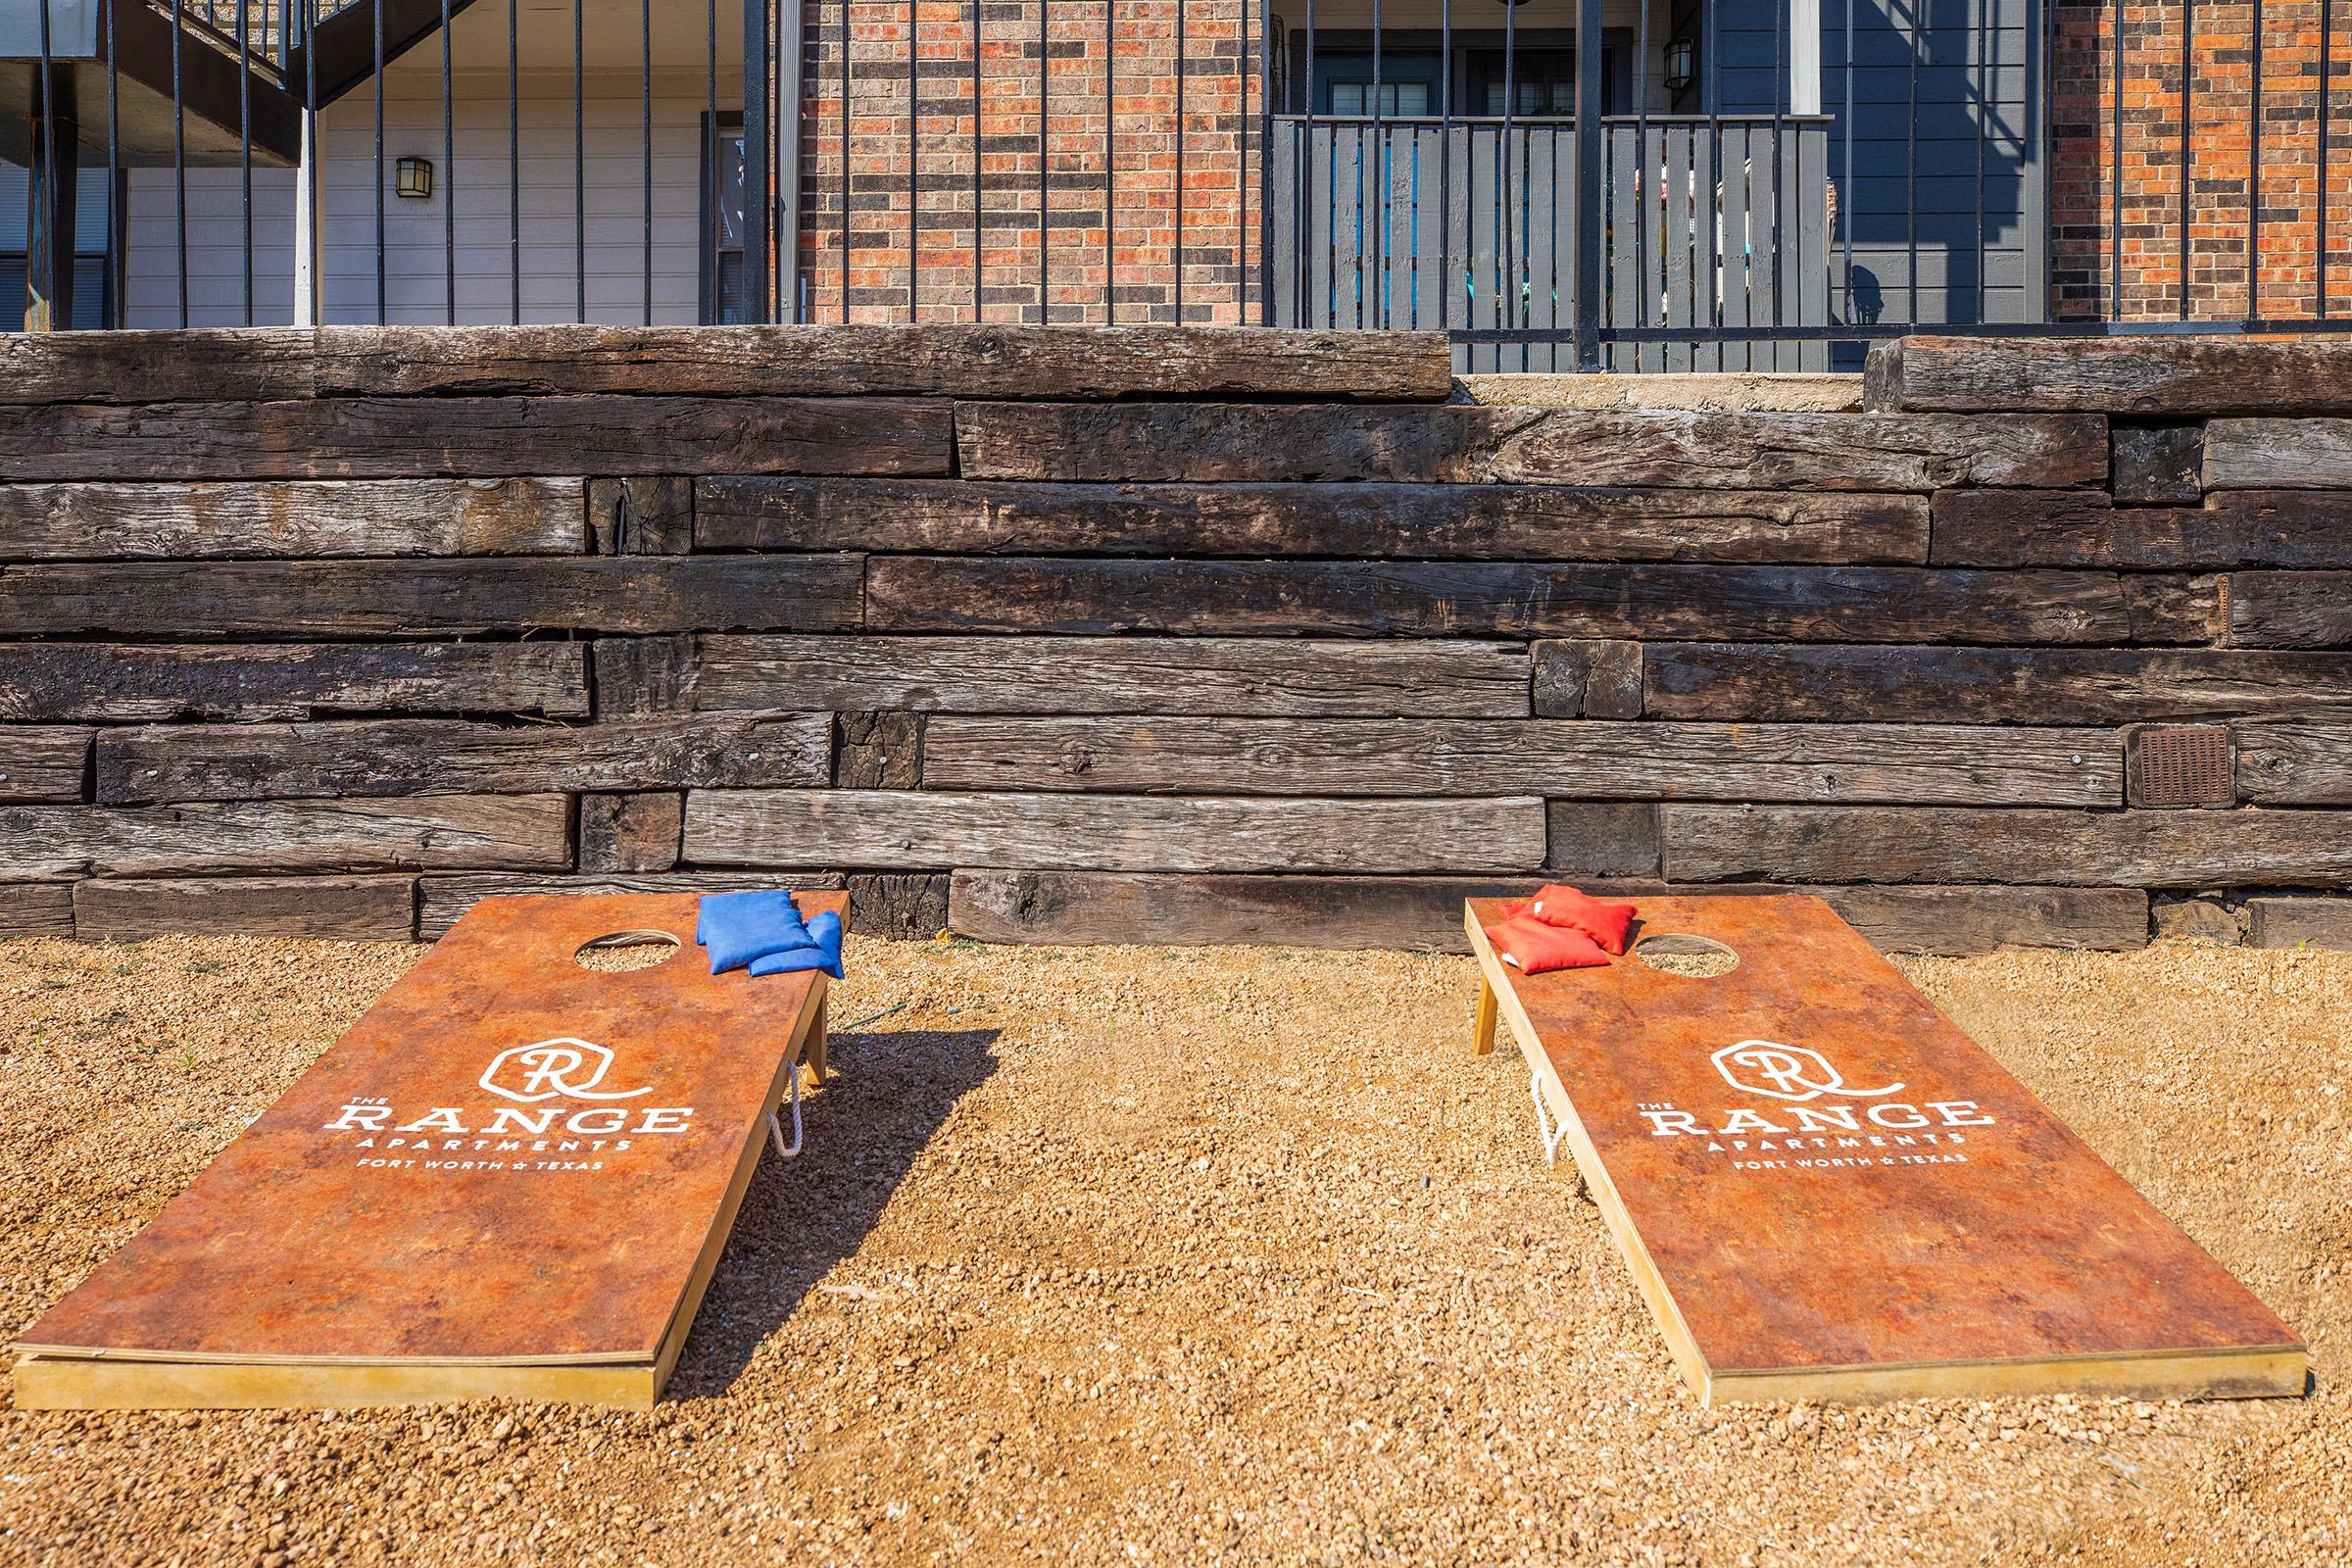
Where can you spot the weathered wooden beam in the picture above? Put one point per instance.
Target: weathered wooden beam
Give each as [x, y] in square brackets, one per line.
[1601, 838]
[442, 899]
[2320, 923]
[1453, 599]
[1908, 684]
[1425, 914]
[312, 517]
[907, 908]
[1940, 844]
[36, 909]
[922, 829]
[1516, 521]
[636, 832]
[643, 516]
[410, 597]
[2295, 762]
[2171, 377]
[1295, 677]
[436, 832]
[372, 438]
[344, 909]
[1478, 444]
[2290, 609]
[877, 751]
[155, 681]
[1588, 679]
[960, 361]
[2158, 463]
[2273, 454]
[43, 765]
[2084, 528]
[1589, 758]
[362, 757]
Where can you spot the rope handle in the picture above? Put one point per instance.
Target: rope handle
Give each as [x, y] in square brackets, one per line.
[776, 1128]
[1549, 1134]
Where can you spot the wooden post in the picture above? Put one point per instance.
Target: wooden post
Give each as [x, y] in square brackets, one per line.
[55, 180]
[1482, 1029]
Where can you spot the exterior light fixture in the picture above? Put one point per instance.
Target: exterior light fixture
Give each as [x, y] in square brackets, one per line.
[1682, 64]
[413, 180]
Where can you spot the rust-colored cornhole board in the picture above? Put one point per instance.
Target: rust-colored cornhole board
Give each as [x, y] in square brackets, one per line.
[512, 1178]
[1825, 1189]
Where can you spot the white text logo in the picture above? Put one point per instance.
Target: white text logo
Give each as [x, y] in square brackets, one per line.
[553, 1069]
[1785, 1072]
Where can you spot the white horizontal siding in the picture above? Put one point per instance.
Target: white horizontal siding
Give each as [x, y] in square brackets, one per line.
[416, 264]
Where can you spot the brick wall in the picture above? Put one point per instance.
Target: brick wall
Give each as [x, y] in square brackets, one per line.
[2224, 57]
[1113, 148]
[1110, 634]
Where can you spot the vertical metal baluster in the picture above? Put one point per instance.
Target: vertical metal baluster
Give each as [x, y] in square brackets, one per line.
[764, 247]
[2326, 77]
[1910, 175]
[1985, 92]
[41, 247]
[579, 158]
[1045, 46]
[1446, 164]
[449, 179]
[1718, 254]
[2115, 177]
[847, 34]
[514, 169]
[714, 150]
[1642, 194]
[1110, 170]
[1179, 214]
[118, 239]
[2254, 182]
[914, 164]
[376, 79]
[1265, 161]
[1846, 193]
[1506, 300]
[244, 140]
[1587, 185]
[1305, 177]
[977, 313]
[1380, 174]
[2188, 33]
[1783, 54]
[179, 159]
[645, 27]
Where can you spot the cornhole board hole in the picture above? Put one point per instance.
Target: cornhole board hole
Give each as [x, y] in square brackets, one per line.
[1825, 1189]
[512, 1178]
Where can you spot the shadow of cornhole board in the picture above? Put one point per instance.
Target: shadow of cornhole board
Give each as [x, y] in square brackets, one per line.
[512, 1178]
[1826, 1191]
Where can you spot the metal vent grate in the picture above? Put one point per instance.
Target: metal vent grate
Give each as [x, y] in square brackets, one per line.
[2181, 764]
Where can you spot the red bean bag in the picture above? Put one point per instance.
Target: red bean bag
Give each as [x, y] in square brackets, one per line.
[1532, 947]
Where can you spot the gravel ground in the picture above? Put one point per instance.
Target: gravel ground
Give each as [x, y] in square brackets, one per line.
[1234, 1254]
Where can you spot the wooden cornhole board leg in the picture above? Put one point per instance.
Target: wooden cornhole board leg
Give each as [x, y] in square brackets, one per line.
[1825, 1189]
[512, 1178]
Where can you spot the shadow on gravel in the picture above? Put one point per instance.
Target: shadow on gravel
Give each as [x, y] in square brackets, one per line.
[888, 1095]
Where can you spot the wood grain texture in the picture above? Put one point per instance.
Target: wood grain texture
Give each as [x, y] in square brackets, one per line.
[485, 437]
[410, 597]
[1424, 913]
[2295, 763]
[1500, 522]
[2176, 378]
[1935, 843]
[361, 757]
[2273, 454]
[315, 518]
[439, 832]
[1295, 677]
[47, 763]
[2084, 528]
[2290, 609]
[1269, 599]
[148, 682]
[341, 908]
[1591, 758]
[1900, 683]
[36, 909]
[2322, 923]
[1591, 679]
[888, 829]
[442, 899]
[1471, 443]
[642, 517]
[877, 751]
[1601, 838]
[963, 360]
[636, 832]
[2158, 463]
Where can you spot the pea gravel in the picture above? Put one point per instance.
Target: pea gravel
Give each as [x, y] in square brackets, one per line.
[1136, 1257]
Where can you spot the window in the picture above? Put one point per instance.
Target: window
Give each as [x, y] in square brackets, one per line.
[1408, 85]
[722, 220]
[1543, 83]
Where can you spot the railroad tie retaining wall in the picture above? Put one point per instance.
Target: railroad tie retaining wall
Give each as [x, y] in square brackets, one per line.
[1160, 635]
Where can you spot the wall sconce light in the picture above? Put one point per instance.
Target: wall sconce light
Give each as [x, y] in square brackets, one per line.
[1682, 64]
[412, 179]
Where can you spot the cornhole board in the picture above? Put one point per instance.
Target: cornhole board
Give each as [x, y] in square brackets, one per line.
[512, 1178]
[1825, 1189]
